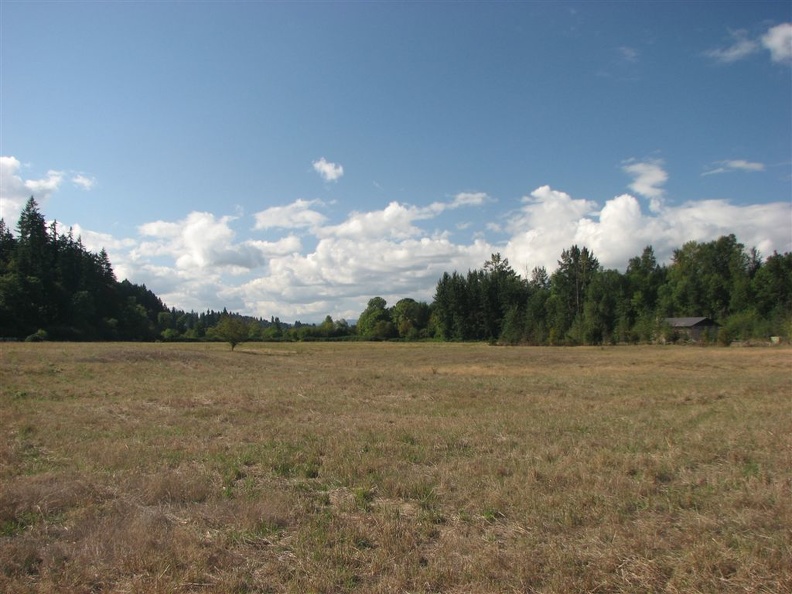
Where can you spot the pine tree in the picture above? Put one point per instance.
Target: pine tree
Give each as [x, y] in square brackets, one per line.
[7, 247]
[33, 241]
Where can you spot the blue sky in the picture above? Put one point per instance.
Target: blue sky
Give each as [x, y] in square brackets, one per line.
[296, 159]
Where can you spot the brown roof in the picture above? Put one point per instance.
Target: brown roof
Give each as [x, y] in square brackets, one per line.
[689, 322]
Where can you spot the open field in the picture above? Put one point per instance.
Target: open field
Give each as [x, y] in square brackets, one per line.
[369, 467]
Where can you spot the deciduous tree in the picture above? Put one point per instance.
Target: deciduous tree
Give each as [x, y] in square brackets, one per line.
[231, 329]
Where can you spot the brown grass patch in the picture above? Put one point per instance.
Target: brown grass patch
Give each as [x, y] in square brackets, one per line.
[394, 468]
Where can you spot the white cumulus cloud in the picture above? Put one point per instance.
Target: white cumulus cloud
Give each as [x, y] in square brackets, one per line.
[312, 267]
[395, 220]
[378, 252]
[329, 171]
[297, 215]
[648, 179]
[199, 263]
[778, 40]
[547, 223]
[15, 191]
[551, 221]
[202, 241]
[342, 273]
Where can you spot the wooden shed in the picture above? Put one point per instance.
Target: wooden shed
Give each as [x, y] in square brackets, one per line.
[694, 328]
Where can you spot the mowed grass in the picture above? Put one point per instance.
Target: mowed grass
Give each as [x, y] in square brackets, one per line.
[369, 467]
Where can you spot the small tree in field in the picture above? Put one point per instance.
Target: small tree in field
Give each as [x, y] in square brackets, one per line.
[231, 329]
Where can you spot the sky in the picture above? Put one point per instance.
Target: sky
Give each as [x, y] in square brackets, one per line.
[296, 159]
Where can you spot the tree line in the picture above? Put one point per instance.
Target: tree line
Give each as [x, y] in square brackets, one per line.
[51, 286]
[583, 303]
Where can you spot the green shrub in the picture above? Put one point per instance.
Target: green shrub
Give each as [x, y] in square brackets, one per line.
[38, 336]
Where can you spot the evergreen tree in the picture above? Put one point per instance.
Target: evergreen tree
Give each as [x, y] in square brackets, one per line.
[569, 284]
[32, 253]
[443, 310]
[535, 329]
[503, 292]
[50, 282]
[7, 247]
[604, 297]
[643, 280]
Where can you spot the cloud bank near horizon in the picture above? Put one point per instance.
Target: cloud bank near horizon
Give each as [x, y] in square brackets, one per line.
[294, 262]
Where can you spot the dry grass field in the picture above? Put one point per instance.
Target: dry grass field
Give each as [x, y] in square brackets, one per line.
[369, 467]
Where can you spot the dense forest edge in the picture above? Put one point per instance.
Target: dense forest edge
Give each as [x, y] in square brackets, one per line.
[53, 288]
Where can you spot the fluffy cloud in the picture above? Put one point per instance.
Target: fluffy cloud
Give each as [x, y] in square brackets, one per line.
[378, 252]
[201, 241]
[764, 226]
[15, 192]
[734, 165]
[83, 181]
[309, 267]
[297, 215]
[95, 241]
[648, 177]
[469, 199]
[198, 262]
[343, 273]
[779, 41]
[551, 221]
[548, 222]
[328, 171]
[395, 220]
